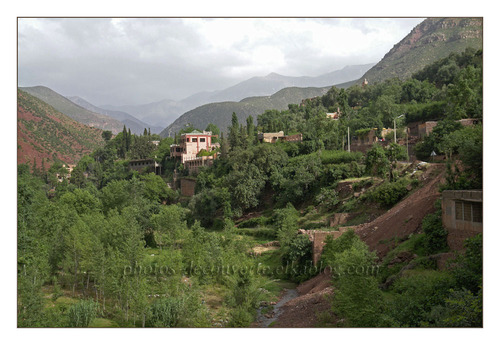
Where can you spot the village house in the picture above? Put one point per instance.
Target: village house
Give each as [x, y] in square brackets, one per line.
[274, 137]
[462, 215]
[364, 140]
[191, 144]
[145, 165]
[335, 115]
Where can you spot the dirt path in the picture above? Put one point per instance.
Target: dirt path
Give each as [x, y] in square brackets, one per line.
[406, 217]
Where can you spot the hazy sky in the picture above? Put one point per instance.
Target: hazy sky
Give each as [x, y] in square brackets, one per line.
[135, 61]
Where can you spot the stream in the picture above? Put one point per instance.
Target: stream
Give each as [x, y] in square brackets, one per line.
[265, 321]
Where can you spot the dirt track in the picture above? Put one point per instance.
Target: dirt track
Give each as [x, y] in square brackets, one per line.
[406, 217]
[402, 220]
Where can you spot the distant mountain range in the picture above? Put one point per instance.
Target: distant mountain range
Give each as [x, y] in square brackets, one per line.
[164, 112]
[45, 134]
[220, 113]
[136, 126]
[431, 40]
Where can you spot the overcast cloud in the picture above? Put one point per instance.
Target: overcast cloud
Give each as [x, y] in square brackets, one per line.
[136, 61]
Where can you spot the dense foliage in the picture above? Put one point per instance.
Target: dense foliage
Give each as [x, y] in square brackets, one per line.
[123, 245]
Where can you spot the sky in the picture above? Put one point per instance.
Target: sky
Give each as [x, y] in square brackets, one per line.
[123, 61]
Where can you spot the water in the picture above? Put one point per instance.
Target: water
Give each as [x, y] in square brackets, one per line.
[264, 321]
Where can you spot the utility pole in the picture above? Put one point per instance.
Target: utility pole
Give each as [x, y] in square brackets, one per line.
[348, 141]
[395, 140]
[395, 131]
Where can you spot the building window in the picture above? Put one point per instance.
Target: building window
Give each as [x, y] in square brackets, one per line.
[477, 212]
[202, 140]
[187, 140]
[469, 211]
[194, 140]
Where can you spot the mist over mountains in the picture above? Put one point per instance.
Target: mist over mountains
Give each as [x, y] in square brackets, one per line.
[164, 112]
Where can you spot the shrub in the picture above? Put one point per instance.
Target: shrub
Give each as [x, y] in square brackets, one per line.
[285, 220]
[327, 198]
[166, 312]
[389, 193]
[336, 157]
[435, 234]
[416, 295]
[254, 222]
[82, 313]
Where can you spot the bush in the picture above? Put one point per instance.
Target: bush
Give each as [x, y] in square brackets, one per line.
[435, 235]
[240, 317]
[254, 222]
[389, 193]
[416, 295]
[166, 312]
[285, 220]
[82, 313]
[336, 157]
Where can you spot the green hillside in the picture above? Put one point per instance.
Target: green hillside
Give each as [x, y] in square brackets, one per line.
[431, 40]
[73, 110]
[45, 133]
[220, 113]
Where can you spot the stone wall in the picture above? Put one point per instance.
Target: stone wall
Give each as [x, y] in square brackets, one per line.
[318, 237]
[187, 186]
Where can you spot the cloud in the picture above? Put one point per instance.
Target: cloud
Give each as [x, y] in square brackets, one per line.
[133, 61]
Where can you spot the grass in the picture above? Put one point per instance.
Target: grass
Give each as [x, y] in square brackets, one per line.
[103, 323]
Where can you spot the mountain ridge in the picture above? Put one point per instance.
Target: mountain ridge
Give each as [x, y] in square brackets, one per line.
[44, 133]
[219, 113]
[72, 110]
[267, 85]
[136, 126]
[429, 41]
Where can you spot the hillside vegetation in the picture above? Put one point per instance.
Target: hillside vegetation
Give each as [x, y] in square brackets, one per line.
[74, 111]
[431, 40]
[44, 135]
[220, 113]
[115, 246]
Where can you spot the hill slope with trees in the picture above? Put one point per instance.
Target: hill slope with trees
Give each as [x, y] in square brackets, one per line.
[74, 111]
[431, 40]
[44, 135]
[220, 113]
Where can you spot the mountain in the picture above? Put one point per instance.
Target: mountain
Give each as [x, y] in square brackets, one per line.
[73, 110]
[45, 133]
[220, 113]
[158, 114]
[431, 40]
[165, 112]
[272, 83]
[136, 126]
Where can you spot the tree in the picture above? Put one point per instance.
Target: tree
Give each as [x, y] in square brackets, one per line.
[286, 223]
[106, 135]
[234, 133]
[251, 135]
[155, 188]
[168, 225]
[142, 148]
[395, 152]
[215, 132]
[376, 161]
[357, 300]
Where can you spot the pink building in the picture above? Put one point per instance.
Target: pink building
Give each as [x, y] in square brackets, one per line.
[191, 144]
